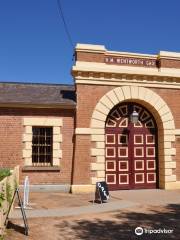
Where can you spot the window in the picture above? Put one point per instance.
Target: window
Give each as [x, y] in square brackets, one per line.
[42, 146]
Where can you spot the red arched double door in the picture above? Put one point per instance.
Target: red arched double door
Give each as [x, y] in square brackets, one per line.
[131, 149]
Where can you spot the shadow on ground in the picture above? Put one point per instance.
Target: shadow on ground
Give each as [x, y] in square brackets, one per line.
[121, 225]
[117, 225]
[15, 227]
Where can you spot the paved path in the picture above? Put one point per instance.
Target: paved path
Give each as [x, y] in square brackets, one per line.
[73, 211]
[119, 200]
[149, 196]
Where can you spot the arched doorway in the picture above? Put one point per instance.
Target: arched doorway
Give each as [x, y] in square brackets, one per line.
[131, 149]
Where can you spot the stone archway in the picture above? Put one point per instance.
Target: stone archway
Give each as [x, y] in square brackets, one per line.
[166, 129]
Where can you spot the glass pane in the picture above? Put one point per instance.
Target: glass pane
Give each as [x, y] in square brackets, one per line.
[42, 140]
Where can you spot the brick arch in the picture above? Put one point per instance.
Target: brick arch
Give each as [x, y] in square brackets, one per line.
[166, 129]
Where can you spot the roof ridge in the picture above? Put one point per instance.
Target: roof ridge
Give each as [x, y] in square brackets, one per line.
[34, 83]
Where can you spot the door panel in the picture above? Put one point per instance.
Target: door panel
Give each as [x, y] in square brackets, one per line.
[131, 149]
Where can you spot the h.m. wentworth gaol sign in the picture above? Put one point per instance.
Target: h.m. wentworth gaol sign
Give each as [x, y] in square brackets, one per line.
[140, 62]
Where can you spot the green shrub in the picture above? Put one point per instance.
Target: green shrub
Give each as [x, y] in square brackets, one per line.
[4, 172]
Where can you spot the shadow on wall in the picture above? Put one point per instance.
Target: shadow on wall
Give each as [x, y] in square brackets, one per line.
[121, 225]
[68, 94]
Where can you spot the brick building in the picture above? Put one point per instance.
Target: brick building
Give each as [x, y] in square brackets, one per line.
[74, 136]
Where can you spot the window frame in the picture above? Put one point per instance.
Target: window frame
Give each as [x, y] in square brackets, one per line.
[41, 146]
[56, 123]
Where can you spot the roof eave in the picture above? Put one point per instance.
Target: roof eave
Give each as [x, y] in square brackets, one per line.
[33, 105]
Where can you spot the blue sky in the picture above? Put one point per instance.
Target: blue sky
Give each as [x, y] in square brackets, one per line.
[34, 46]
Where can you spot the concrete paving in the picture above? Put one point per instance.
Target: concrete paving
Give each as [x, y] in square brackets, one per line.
[148, 196]
[118, 200]
[74, 211]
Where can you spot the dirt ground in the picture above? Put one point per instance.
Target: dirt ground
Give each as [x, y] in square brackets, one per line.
[52, 200]
[102, 226]
[114, 225]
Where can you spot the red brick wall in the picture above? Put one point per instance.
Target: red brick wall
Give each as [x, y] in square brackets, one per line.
[87, 98]
[11, 145]
[172, 98]
[81, 173]
[89, 95]
[169, 63]
[10, 139]
[99, 57]
[11, 130]
[90, 57]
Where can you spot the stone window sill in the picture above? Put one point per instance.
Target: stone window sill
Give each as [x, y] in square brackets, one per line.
[40, 169]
